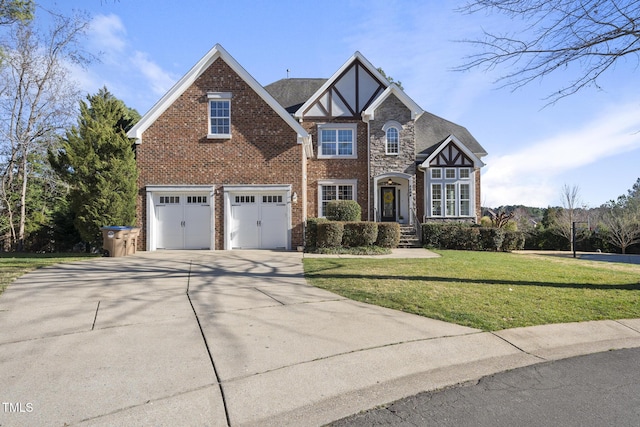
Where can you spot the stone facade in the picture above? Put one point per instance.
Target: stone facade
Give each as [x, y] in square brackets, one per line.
[381, 163]
[265, 147]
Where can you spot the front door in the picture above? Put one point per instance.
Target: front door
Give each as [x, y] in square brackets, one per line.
[388, 200]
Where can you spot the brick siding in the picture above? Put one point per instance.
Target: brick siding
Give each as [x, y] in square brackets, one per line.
[263, 148]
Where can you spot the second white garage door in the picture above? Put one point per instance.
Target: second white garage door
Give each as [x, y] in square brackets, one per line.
[258, 219]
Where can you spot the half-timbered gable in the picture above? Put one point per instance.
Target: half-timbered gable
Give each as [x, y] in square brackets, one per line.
[225, 163]
[452, 181]
[451, 156]
[348, 93]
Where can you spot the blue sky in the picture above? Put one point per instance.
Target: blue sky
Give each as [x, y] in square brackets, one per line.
[591, 139]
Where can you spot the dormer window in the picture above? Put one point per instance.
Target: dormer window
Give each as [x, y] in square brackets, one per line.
[392, 138]
[219, 115]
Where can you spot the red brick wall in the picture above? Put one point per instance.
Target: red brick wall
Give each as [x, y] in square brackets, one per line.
[328, 169]
[263, 148]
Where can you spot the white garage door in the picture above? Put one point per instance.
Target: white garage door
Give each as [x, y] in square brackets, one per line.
[183, 221]
[259, 220]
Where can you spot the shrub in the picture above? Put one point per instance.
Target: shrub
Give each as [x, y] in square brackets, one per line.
[359, 234]
[311, 232]
[491, 238]
[462, 236]
[454, 236]
[344, 210]
[330, 234]
[513, 241]
[388, 235]
[431, 234]
[486, 222]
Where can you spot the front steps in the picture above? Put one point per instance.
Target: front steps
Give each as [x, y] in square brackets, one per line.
[408, 238]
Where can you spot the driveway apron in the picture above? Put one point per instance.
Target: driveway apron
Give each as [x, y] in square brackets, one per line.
[216, 338]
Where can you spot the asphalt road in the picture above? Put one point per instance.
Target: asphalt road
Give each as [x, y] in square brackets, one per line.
[601, 389]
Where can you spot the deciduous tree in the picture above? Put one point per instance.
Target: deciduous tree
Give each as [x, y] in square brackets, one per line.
[622, 227]
[592, 35]
[36, 98]
[571, 213]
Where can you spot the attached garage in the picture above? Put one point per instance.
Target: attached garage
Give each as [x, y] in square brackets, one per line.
[180, 217]
[257, 217]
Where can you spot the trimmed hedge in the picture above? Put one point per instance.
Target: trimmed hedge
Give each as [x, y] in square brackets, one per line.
[466, 237]
[330, 234]
[388, 235]
[359, 234]
[311, 232]
[321, 233]
[344, 210]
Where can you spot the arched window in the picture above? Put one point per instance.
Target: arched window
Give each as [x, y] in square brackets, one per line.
[393, 141]
[391, 131]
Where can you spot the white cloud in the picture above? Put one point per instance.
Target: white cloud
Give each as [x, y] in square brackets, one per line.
[131, 75]
[108, 35]
[529, 176]
[159, 80]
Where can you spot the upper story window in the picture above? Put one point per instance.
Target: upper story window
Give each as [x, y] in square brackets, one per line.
[393, 141]
[219, 115]
[392, 137]
[337, 141]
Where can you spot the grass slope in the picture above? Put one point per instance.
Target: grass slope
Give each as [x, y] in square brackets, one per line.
[485, 290]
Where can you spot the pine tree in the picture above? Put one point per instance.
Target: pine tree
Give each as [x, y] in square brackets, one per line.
[97, 161]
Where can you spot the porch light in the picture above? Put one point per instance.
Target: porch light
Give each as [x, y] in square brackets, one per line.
[389, 181]
[294, 198]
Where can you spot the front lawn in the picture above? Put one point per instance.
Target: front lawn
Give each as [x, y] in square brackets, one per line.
[486, 290]
[14, 265]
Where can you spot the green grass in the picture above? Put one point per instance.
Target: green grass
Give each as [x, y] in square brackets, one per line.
[14, 265]
[489, 291]
[359, 250]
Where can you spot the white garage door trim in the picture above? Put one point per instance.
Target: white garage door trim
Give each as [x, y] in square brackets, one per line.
[152, 222]
[232, 190]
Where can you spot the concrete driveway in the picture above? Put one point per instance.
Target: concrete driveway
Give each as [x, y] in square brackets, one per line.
[234, 338]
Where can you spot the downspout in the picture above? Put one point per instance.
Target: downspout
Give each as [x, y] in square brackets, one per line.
[369, 170]
[366, 119]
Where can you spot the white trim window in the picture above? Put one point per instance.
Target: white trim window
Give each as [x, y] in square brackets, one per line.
[337, 141]
[451, 192]
[450, 195]
[334, 190]
[450, 173]
[392, 138]
[465, 200]
[219, 115]
[392, 145]
[436, 199]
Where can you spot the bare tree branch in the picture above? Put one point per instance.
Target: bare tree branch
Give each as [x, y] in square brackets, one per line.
[590, 34]
[37, 99]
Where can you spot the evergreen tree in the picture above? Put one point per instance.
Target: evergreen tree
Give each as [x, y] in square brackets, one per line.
[97, 161]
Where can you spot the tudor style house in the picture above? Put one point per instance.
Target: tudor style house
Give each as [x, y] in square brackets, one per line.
[225, 163]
